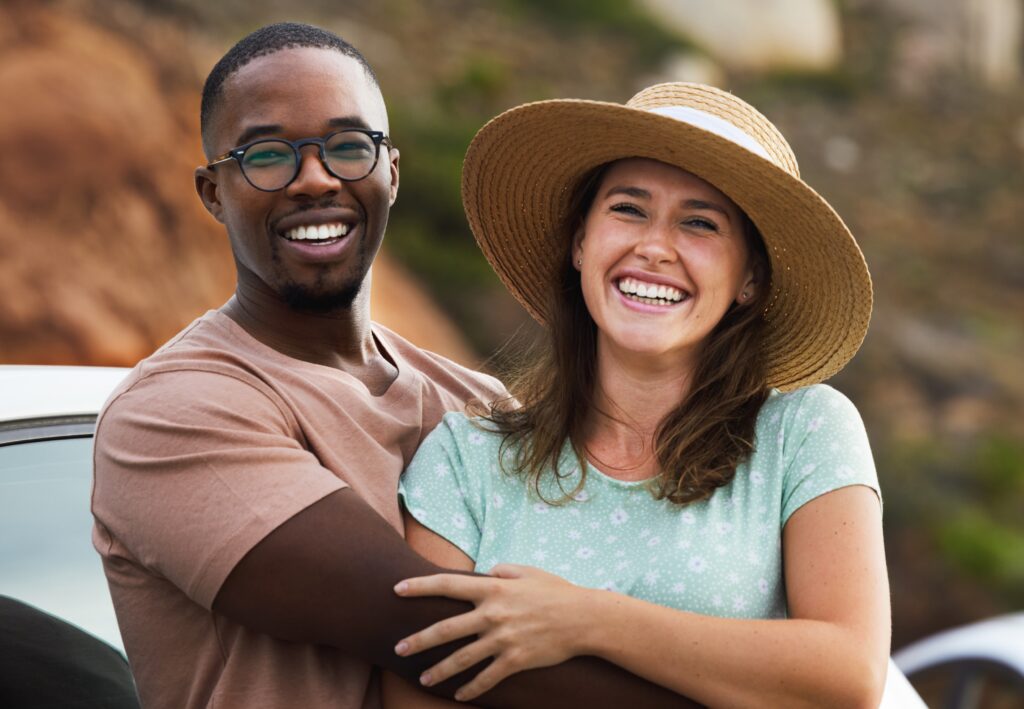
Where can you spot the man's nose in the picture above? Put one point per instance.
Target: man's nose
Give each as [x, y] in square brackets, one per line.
[313, 180]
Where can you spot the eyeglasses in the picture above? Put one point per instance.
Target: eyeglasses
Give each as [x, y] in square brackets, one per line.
[272, 164]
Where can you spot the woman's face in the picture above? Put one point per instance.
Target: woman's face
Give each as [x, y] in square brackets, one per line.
[663, 257]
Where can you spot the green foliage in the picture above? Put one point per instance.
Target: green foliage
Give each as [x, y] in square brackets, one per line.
[986, 549]
[623, 19]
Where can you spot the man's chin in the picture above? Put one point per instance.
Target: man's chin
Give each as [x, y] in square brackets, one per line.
[319, 301]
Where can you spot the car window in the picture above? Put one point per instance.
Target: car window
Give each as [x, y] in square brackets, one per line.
[46, 554]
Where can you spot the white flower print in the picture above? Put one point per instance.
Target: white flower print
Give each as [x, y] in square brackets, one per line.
[716, 600]
[679, 587]
[684, 544]
[775, 417]
[581, 496]
[651, 578]
[762, 585]
[540, 555]
[609, 586]
[475, 437]
[594, 525]
[621, 565]
[654, 541]
[723, 527]
[807, 469]
[600, 572]
[584, 553]
[757, 477]
[541, 507]
[418, 513]
[697, 564]
[542, 539]
[459, 520]
[416, 494]
[611, 539]
[564, 568]
[688, 517]
[440, 470]
[739, 604]
[844, 472]
[815, 423]
[619, 516]
[498, 501]
[574, 534]
[644, 533]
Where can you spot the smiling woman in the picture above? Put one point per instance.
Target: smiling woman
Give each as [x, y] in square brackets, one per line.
[704, 501]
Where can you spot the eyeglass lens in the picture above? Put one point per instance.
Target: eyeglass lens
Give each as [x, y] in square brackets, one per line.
[272, 164]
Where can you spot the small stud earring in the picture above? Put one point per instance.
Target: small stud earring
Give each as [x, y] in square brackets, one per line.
[579, 261]
[744, 295]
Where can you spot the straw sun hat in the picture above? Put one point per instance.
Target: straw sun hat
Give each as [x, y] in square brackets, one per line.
[523, 167]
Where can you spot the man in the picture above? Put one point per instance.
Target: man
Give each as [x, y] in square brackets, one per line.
[246, 473]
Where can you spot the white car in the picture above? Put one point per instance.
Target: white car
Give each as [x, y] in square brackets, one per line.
[47, 419]
[975, 666]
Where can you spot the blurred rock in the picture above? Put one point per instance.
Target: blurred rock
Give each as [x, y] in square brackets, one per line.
[687, 66]
[754, 34]
[105, 249]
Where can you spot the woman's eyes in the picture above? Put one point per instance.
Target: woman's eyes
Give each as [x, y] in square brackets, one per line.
[627, 208]
[701, 223]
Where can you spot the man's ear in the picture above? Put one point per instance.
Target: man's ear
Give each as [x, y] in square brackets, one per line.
[206, 188]
[393, 156]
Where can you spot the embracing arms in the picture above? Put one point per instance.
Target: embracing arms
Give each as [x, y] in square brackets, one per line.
[832, 651]
[327, 575]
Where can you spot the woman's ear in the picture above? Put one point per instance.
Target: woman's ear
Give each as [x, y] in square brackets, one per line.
[577, 248]
[749, 289]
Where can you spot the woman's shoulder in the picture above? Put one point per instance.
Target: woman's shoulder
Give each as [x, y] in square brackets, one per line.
[811, 400]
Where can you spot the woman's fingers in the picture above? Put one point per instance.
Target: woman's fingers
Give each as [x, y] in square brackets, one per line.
[441, 632]
[462, 587]
[487, 679]
[459, 661]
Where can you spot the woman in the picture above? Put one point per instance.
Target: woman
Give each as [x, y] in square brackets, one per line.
[707, 513]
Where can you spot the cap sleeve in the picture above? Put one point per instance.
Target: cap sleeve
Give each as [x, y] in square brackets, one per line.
[825, 448]
[444, 487]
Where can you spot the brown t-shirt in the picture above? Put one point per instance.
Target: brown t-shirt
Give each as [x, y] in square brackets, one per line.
[208, 446]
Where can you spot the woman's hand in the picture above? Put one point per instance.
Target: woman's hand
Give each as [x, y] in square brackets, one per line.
[524, 618]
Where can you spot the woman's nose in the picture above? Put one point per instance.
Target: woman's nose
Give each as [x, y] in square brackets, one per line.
[655, 245]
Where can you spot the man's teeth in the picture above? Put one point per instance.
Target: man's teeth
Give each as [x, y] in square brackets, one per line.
[650, 292]
[316, 232]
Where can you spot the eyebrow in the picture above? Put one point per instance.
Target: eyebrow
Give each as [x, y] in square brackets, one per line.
[711, 206]
[273, 129]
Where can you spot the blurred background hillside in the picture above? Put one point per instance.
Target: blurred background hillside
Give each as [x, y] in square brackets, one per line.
[907, 115]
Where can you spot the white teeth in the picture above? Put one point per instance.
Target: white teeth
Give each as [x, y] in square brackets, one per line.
[317, 233]
[661, 294]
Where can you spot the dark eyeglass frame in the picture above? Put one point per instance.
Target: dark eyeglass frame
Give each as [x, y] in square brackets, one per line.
[236, 154]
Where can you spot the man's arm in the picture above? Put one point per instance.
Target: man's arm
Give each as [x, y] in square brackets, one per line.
[326, 576]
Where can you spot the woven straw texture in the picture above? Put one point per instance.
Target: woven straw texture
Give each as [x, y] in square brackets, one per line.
[524, 165]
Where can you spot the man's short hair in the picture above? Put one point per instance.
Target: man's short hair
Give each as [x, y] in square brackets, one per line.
[267, 40]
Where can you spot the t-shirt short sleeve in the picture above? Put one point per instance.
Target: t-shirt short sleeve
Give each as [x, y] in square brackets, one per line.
[444, 487]
[190, 481]
[825, 448]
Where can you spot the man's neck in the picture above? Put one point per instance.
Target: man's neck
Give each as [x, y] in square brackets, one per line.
[341, 339]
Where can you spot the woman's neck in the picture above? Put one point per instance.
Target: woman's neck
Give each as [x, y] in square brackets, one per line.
[632, 396]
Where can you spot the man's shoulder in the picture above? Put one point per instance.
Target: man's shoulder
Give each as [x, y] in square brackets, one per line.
[442, 371]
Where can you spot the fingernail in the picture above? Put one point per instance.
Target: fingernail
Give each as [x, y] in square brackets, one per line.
[460, 696]
[401, 587]
[425, 679]
[401, 648]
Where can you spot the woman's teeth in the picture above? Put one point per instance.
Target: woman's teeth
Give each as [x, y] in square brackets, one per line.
[320, 232]
[650, 293]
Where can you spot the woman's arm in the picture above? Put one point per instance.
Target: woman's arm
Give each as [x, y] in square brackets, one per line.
[832, 650]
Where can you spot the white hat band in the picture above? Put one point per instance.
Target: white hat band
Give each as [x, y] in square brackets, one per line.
[712, 124]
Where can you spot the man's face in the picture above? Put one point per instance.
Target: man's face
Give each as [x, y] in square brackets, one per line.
[293, 94]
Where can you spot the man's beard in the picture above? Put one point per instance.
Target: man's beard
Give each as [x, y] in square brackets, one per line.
[323, 298]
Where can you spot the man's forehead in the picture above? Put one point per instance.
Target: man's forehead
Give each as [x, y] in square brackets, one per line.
[297, 83]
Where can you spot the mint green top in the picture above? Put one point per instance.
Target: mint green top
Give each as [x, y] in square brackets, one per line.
[721, 556]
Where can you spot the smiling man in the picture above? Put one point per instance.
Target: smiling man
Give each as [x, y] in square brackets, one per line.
[246, 473]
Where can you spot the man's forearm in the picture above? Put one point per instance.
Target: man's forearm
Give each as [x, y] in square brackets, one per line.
[326, 576]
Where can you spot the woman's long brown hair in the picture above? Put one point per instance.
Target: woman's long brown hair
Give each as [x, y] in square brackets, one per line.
[698, 445]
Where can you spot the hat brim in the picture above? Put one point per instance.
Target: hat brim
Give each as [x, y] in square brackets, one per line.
[523, 167]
